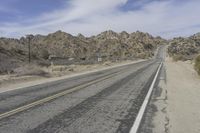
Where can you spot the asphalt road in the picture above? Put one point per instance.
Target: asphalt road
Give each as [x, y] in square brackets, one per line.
[101, 102]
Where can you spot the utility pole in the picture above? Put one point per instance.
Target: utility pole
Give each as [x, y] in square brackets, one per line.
[29, 51]
[29, 37]
[99, 58]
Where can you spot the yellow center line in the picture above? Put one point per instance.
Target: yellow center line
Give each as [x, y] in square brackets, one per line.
[44, 100]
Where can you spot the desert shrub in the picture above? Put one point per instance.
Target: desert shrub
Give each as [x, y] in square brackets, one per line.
[197, 64]
[178, 57]
[7, 65]
[44, 54]
[43, 63]
[30, 69]
[143, 55]
[60, 68]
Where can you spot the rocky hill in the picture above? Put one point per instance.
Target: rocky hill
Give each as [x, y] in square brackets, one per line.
[76, 49]
[185, 48]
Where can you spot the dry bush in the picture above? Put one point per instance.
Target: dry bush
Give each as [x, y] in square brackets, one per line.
[197, 64]
[59, 68]
[30, 69]
[7, 65]
[45, 54]
[178, 57]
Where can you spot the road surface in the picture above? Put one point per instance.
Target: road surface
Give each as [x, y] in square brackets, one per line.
[101, 102]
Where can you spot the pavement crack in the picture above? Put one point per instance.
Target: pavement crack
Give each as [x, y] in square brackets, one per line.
[166, 124]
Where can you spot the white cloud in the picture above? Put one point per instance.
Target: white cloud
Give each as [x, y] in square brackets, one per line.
[165, 18]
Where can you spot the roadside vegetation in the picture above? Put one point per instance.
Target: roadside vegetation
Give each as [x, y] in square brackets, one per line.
[31, 70]
[187, 48]
[178, 57]
[197, 64]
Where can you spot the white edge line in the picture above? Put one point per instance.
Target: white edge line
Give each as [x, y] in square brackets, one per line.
[138, 119]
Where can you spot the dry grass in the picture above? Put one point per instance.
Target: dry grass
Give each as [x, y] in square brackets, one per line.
[31, 69]
[197, 64]
[178, 57]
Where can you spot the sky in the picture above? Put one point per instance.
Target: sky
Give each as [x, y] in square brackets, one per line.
[165, 18]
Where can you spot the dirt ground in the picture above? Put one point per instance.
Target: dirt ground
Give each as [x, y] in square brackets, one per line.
[178, 105]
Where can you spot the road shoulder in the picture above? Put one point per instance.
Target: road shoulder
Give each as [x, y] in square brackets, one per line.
[174, 107]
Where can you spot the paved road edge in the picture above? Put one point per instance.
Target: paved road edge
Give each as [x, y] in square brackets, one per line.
[139, 117]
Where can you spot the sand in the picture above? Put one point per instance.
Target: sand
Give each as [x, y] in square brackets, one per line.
[178, 106]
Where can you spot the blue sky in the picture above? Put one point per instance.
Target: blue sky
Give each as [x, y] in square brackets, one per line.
[14, 10]
[166, 18]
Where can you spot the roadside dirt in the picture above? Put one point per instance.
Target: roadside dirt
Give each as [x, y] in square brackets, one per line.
[183, 92]
[175, 103]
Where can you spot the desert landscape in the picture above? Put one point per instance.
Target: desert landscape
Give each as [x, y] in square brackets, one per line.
[99, 66]
[60, 53]
[175, 104]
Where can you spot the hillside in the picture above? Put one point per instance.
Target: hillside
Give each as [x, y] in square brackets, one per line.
[109, 45]
[185, 48]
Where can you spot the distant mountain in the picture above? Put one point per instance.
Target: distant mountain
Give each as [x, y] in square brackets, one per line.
[109, 45]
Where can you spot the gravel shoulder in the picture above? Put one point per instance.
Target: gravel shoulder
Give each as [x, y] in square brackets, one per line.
[183, 87]
[174, 107]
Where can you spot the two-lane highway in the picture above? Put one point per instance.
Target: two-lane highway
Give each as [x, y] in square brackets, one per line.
[106, 101]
